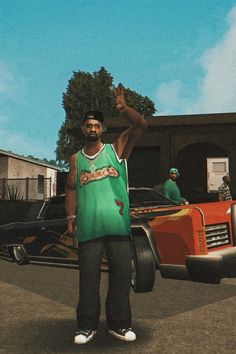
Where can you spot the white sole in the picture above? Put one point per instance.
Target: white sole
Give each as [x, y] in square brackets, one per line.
[114, 334]
[87, 340]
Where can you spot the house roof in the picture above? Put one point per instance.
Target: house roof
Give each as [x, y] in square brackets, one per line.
[179, 120]
[166, 122]
[4, 153]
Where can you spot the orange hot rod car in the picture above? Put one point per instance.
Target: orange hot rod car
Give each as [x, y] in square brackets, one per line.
[191, 242]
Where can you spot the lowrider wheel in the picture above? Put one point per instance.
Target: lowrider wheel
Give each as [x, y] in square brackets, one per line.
[19, 255]
[143, 263]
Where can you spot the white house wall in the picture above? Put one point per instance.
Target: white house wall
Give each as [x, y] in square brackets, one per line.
[53, 175]
[22, 169]
[13, 168]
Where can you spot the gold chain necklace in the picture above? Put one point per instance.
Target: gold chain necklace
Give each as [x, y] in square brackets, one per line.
[93, 158]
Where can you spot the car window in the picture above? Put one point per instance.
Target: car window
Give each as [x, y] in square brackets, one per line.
[147, 197]
[55, 209]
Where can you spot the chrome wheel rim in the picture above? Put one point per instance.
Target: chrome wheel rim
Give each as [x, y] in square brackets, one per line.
[134, 273]
[18, 253]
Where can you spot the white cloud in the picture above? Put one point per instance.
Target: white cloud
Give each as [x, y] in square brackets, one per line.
[170, 95]
[22, 145]
[14, 95]
[217, 89]
[6, 79]
[3, 119]
[13, 85]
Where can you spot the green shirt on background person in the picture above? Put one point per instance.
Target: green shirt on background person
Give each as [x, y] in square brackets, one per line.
[171, 189]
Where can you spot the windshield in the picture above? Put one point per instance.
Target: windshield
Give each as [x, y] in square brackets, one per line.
[142, 197]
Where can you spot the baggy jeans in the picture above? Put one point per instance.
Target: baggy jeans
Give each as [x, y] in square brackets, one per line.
[119, 255]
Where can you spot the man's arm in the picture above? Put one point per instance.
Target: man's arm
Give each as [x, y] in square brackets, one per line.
[125, 142]
[70, 189]
[220, 197]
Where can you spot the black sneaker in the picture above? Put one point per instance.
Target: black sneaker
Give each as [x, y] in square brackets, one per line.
[126, 334]
[83, 336]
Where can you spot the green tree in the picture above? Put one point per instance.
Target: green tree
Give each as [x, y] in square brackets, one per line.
[85, 92]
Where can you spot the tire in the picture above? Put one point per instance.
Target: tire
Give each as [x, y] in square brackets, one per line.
[19, 255]
[143, 264]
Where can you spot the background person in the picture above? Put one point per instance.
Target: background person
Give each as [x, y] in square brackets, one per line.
[224, 190]
[96, 191]
[171, 189]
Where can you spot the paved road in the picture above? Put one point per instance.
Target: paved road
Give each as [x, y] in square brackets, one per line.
[37, 315]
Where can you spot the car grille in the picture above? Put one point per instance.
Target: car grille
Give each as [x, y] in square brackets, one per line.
[217, 235]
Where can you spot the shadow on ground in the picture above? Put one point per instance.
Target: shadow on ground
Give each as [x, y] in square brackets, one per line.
[56, 336]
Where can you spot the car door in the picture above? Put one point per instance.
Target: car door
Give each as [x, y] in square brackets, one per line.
[47, 240]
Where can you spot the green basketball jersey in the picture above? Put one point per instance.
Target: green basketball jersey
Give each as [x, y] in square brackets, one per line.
[102, 198]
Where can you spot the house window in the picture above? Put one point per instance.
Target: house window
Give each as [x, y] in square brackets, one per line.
[41, 184]
[219, 167]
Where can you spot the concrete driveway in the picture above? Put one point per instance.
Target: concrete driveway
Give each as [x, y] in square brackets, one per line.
[37, 306]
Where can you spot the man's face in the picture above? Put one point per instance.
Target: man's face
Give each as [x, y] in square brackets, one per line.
[173, 176]
[92, 129]
[227, 179]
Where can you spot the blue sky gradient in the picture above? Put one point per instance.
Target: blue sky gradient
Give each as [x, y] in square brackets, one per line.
[180, 53]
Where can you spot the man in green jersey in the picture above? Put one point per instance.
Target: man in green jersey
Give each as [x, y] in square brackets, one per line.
[97, 200]
[171, 189]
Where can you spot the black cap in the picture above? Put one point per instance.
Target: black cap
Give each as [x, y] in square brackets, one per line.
[94, 115]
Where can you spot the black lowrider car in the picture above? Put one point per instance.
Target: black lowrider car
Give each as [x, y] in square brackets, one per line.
[39, 236]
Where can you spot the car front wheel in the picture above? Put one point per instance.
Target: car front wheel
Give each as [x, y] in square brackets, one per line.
[19, 255]
[143, 264]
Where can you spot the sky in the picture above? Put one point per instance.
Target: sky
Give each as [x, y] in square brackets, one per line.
[179, 53]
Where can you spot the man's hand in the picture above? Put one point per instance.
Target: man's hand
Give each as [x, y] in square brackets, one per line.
[70, 226]
[119, 98]
[72, 231]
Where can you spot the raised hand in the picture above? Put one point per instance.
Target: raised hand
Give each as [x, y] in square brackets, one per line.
[119, 98]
